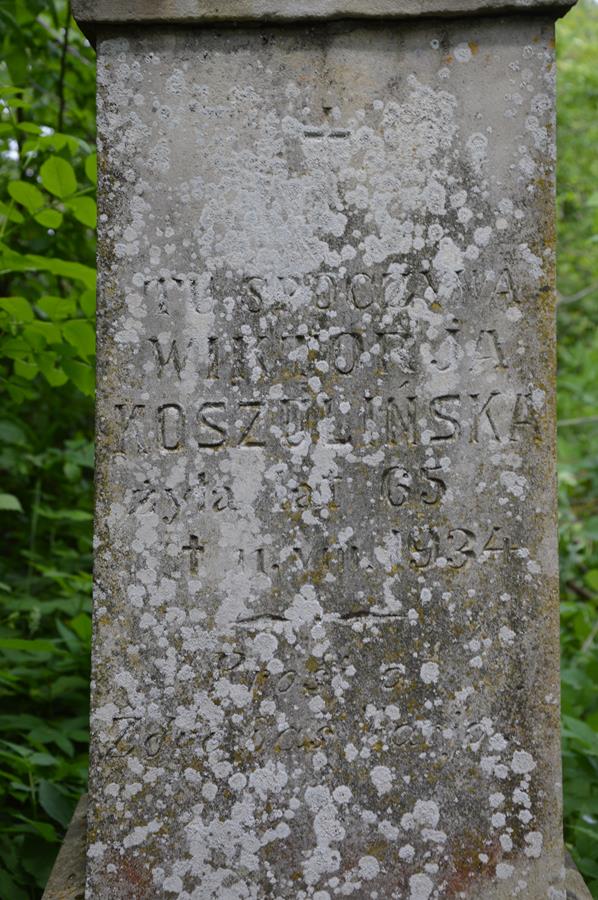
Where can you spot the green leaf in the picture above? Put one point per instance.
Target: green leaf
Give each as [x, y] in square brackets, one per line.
[91, 167]
[49, 218]
[58, 177]
[593, 835]
[54, 375]
[87, 302]
[11, 433]
[71, 471]
[84, 210]
[26, 194]
[53, 801]
[13, 215]
[10, 502]
[82, 375]
[81, 625]
[44, 829]
[591, 579]
[578, 730]
[20, 104]
[47, 331]
[34, 340]
[28, 646]
[23, 12]
[80, 335]
[57, 308]
[43, 759]
[29, 127]
[70, 515]
[26, 369]
[55, 141]
[10, 261]
[15, 347]
[71, 684]
[18, 308]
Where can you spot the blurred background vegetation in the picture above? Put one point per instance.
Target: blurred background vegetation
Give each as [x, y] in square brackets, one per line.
[577, 318]
[47, 279]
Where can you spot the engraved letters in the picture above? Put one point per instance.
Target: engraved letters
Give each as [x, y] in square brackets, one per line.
[371, 421]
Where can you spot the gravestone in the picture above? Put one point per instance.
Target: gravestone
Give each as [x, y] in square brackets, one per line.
[326, 608]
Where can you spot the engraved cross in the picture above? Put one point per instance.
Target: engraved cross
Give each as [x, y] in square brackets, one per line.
[194, 548]
[325, 132]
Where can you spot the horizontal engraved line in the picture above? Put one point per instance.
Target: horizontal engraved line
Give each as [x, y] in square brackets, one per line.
[321, 133]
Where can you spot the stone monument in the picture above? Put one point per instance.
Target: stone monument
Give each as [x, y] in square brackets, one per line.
[326, 609]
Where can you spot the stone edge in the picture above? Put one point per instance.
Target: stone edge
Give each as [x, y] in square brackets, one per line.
[67, 879]
[94, 14]
[574, 883]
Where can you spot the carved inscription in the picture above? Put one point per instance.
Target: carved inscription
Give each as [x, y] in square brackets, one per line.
[370, 421]
[378, 348]
[333, 360]
[199, 494]
[325, 657]
[398, 285]
[420, 547]
[398, 485]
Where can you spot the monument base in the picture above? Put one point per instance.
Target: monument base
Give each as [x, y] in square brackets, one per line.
[67, 881]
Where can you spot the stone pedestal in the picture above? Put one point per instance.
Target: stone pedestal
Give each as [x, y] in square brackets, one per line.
[67, 881]
[326, 609]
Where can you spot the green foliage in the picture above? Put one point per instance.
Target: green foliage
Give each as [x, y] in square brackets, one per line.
[47, 303]
[47, 187]
[578, 431]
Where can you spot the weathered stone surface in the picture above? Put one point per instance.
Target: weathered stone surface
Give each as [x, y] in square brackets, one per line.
[326, 622]
[67, 881]
[93, 13]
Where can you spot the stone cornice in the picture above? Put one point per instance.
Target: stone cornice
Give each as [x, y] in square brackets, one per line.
[94, 14]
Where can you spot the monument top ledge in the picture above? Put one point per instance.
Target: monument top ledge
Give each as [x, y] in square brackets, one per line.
[93, 14]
